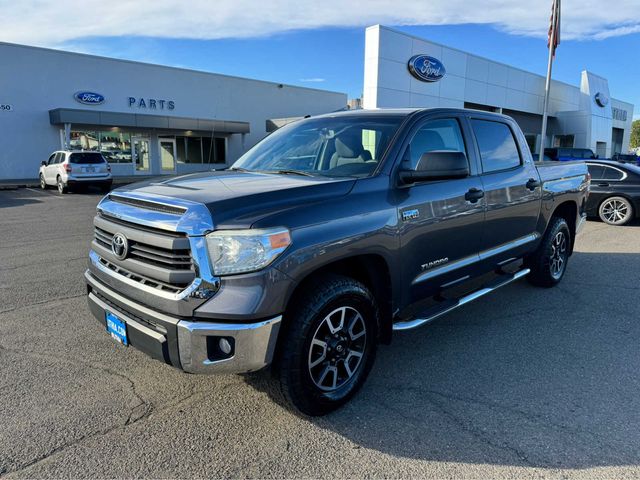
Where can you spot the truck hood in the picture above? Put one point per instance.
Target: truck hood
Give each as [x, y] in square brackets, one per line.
[238, 199]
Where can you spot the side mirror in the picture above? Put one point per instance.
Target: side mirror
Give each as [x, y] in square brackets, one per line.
[43, 163]
[438, 165]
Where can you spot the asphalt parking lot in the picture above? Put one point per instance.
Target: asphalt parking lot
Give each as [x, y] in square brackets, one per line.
[525, 382]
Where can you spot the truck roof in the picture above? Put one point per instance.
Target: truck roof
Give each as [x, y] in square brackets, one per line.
[400, 112]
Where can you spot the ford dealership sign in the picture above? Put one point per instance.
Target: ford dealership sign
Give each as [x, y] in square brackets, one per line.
[89, 98]
[602, 99]
[426, 68]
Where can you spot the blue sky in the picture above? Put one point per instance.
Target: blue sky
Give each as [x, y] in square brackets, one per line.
[297, 41]
[333, 58]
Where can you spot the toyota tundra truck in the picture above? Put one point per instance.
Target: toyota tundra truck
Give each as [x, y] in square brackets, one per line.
[326, 238]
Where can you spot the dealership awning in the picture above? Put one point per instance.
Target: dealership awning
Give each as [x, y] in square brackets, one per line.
[60, 116]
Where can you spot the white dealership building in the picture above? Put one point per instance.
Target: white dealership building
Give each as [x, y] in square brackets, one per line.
[146, 119]
[582, 116]
[151, 119]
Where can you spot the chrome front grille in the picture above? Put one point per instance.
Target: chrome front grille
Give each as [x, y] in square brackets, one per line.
[162, 257]
[157, 259]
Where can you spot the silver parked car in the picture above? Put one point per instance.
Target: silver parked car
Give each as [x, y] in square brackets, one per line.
[69, 169]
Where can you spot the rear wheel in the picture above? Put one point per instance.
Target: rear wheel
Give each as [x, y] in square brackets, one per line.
[329, 346]
[62, 187]
[43, 183]
[616, 211]
[549, 262]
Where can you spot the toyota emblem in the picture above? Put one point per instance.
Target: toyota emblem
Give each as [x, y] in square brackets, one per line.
[120, 246]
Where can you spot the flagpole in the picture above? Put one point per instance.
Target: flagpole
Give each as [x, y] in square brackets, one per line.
[547, 85]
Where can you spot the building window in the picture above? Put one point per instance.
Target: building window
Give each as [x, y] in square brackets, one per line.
[115, 146]
[532, 141]
[201, 150]
[565, 141]
[194, 150]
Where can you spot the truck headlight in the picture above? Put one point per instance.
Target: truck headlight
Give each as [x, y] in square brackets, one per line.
[242, 251]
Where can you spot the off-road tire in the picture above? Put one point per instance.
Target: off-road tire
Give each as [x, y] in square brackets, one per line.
[292, 367]
[543, 262]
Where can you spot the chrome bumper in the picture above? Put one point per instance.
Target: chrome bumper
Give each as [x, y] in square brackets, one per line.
[186, 344]
[254, 345]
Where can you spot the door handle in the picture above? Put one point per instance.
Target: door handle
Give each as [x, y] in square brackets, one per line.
[473, 195]
[532, 184]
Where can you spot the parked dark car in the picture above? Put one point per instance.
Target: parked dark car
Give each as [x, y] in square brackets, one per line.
[569, 154]
[626, 158]
[615, 191]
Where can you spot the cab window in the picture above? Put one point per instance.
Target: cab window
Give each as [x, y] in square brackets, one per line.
[436, 136]
[498, 149]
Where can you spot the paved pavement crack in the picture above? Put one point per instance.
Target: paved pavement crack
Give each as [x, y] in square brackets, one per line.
[139, 412]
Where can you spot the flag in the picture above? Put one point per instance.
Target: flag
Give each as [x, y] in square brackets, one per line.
[554, 30]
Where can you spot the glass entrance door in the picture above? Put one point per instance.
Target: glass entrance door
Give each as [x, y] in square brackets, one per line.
[140, 154]
[167, 154]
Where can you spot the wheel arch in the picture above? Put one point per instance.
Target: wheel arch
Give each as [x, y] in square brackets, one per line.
[567, 210]
[372, 270]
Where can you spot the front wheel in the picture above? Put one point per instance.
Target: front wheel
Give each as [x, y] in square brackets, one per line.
[549, 262]
[616, 211]
[329, 345]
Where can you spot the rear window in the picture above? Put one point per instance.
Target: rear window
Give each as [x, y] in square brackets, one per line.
[612, 174]
[86, 157]
[596, 171]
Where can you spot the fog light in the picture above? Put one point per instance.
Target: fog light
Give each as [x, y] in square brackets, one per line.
[225, 346]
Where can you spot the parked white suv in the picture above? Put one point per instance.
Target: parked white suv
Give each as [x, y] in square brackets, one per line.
[68, 169]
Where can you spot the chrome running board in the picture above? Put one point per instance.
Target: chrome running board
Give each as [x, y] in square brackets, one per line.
[447, 306]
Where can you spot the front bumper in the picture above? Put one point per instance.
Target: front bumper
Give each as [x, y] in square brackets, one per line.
[187, 343]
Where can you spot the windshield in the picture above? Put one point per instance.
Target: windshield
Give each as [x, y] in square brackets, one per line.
[344, 146]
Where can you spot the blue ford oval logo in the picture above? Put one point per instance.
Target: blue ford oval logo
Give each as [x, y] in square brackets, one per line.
[602, 99]
[426, 68]
[89, 98]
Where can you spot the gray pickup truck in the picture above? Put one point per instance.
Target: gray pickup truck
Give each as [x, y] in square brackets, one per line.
[325, 238]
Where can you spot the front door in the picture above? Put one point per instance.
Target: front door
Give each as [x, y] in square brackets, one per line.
[167, 155]
[140, 154]
[441, 221]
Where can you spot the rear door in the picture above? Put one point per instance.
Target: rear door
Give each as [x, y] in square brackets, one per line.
[512, 188]
[606, 181]
[440, 229]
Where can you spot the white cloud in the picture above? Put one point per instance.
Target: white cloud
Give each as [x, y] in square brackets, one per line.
[313, 80]
[53, 23]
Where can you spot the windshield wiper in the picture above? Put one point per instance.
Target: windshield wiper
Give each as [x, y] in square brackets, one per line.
[292, 172]
[238, 169]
